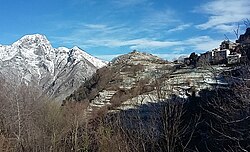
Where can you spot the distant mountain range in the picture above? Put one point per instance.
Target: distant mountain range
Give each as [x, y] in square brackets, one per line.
[56, 71]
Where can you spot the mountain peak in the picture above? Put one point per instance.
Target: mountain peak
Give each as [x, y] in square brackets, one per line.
[136, 57]
[57, 72]
[34, 37]
[76, 48]
[96, 62]
[31, 39]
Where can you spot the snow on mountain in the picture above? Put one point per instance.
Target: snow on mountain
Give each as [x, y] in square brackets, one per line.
[58, 72]
[91, 59]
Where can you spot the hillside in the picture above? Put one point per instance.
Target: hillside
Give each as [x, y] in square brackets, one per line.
[139, 78]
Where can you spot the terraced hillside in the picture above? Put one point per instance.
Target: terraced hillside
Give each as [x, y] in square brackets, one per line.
[139, 78]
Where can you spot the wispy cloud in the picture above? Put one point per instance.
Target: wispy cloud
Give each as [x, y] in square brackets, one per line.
[81, 2]
[135, 43]
[96, 26]
[158, 19]
[102, 35]
[202, 43]
[179, 28]
[179, 49]
[152, 44]
[143, 34]
[224, 13]
[84, 33]
[148, 34]
[128, 3]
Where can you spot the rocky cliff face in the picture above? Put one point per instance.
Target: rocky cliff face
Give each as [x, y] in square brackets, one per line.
[57, 72]
[244, 47]
[244, 38]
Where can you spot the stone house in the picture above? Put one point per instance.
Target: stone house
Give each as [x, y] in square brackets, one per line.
[207, 57]
[233, 58]
[187, 61]
[220, 56]
[228, 45]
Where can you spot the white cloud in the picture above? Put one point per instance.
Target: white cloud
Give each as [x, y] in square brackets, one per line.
[128, 3]
[180, 28]
[141, 35]
[152, 44]
[86, 34]
[89, 36]
[203, 43]
[96, 26]
[135, 43]
[225, 28]
[224, 13]
[179, 49]
[158, 19]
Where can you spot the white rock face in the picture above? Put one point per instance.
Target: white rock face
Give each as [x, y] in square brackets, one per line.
[58, 72]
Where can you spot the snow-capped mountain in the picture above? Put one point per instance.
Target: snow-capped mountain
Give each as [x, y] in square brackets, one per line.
[58, 72]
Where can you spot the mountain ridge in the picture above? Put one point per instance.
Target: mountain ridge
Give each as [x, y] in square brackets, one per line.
[57, 71]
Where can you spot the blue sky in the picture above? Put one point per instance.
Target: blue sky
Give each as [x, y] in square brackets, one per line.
[107, 28]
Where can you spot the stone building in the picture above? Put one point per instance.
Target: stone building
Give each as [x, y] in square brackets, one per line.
[228, 45]
[233, 58]
[220, 56]
[207, 57]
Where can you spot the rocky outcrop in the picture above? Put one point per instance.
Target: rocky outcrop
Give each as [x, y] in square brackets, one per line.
[244, 38]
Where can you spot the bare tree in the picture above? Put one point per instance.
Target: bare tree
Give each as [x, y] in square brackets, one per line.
[236, 32]
[246, 22]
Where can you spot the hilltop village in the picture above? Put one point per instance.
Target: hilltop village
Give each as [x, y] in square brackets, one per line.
[227, 53]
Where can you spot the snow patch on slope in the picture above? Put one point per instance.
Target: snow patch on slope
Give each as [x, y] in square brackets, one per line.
[96, 62]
